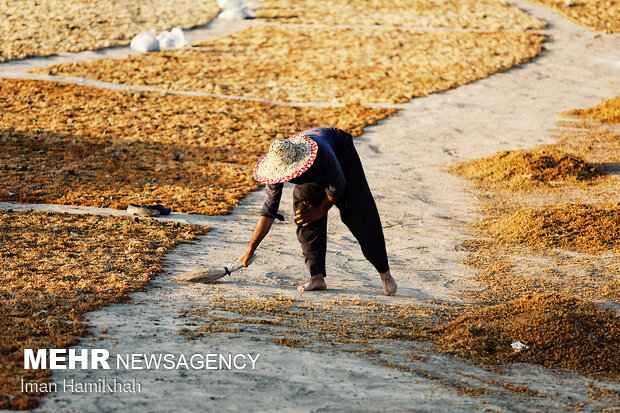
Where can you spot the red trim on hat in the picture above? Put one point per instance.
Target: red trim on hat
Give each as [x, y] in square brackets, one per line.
[313, 152]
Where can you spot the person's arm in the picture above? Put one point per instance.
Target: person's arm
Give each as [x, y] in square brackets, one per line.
[308, 215]
[330, 168]
[260, 231]
[268, 214]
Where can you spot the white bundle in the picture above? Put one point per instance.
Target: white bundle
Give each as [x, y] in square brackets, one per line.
[145, 42]
[230, 4]
[519, 346]
[172, 39]
[179, 38]
[166, 41]
[253, 4]
[238, 14]
[150, 42]
[237, 9]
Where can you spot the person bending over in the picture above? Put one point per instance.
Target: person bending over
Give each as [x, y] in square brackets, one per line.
[326, 170]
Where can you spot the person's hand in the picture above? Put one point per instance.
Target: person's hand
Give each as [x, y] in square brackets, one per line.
[307, 216]
[246, 257]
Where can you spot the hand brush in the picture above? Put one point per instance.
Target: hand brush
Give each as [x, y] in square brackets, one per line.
[209, 275]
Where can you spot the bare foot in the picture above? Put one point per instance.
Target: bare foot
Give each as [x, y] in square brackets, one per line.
[317, 282]
[389, 285]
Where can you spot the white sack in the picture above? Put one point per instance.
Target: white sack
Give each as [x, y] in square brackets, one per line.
[179, 38]
[145, 42]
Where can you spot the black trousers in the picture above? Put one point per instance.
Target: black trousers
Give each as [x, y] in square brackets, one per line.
[358, 212]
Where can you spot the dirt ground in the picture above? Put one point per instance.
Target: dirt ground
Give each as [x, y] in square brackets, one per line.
[426, 212]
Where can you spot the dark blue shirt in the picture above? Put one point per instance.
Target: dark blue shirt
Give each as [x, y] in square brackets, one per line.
[325, 169]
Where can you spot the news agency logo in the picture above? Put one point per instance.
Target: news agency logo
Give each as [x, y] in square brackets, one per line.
[93, 359]
[99, 359]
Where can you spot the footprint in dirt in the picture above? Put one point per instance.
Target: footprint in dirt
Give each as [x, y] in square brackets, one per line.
[374, 148]
[281, 279]
[448, 151]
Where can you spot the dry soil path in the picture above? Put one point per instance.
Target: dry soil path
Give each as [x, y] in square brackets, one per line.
[424, 211]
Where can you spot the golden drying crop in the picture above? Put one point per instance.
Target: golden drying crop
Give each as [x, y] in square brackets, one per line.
[327, 64]
[471, 14]
[529, 238]
[77, 145]
[600, 15]
[47, 27]
[56, 267]
[522, 168]
[344, 325]
[560, 332]
[595, 137]
[578, 227]
[608, 111]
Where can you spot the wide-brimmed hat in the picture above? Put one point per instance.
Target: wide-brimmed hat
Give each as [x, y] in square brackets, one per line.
[286, 159]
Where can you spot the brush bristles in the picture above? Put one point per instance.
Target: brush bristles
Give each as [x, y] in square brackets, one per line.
[204, 276]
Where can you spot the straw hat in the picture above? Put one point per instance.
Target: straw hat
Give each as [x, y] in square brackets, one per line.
[286, 159]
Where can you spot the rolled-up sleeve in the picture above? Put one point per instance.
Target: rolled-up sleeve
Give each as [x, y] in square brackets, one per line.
[272, 200]
[335, 178]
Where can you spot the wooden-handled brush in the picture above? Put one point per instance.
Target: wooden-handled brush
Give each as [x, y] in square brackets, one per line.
[209, 275]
